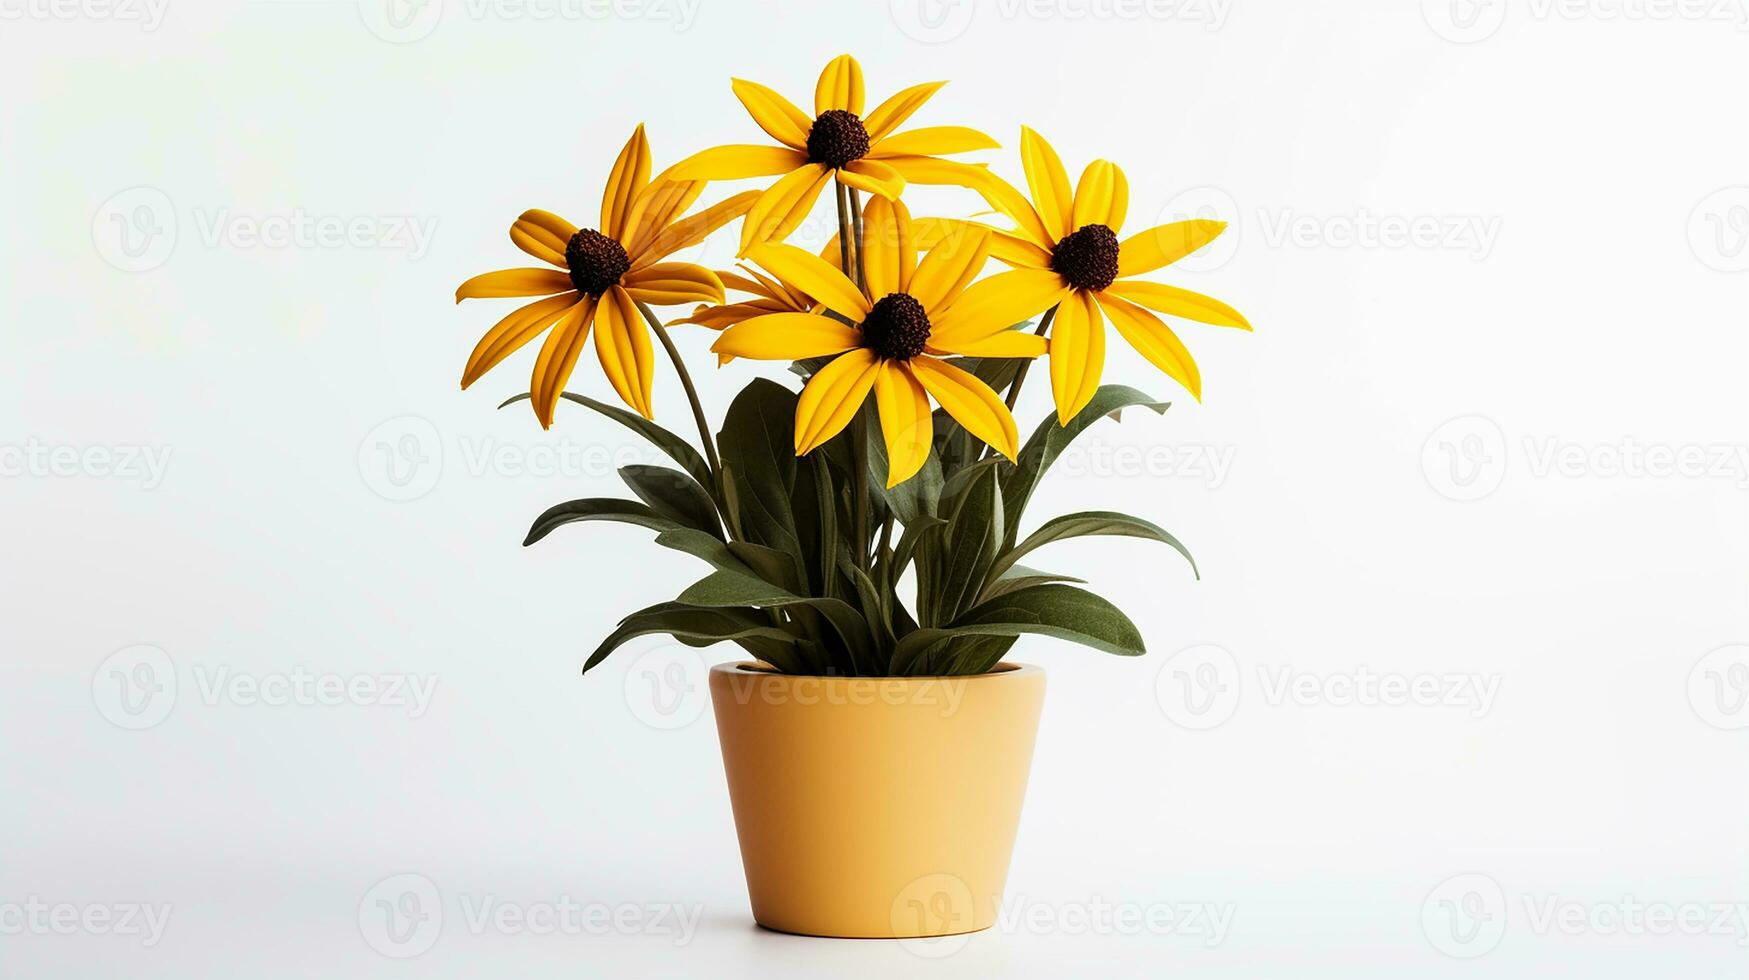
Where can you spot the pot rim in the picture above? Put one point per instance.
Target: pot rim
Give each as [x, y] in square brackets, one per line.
[1007, 669]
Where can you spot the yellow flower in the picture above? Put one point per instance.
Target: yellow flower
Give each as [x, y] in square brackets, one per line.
[863, 152]
[600, 278]
[1065, 252]
[889, 338]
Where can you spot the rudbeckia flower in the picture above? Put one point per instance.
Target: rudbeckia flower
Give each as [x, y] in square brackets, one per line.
[601, 277]
[862, 152]
[889, 338]
[1066, 253]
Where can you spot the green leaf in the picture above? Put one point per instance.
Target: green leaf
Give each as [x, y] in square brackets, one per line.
[1019, 577]
[758, 436]
[918, 496]
[728, 589]
[697, 627]
[1060, 611]
[678, 449]
[1088, 524]
[968, 547]
[670, 533]
[1050, 439]
[675, 495]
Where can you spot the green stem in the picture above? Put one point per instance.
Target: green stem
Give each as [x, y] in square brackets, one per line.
[1044, 324]
[858, 426]
[856, 219]
[704, 428]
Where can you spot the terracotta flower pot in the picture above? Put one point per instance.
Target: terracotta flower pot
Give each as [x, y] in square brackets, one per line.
[876, 807]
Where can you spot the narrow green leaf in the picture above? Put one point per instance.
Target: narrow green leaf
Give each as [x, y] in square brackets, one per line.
[1088, 524]
[677, 449]
[1050, 439]
[725, 588]
[696, 627]
[1060, 611]
[1019, 577]
[674, 494]
[969, 546]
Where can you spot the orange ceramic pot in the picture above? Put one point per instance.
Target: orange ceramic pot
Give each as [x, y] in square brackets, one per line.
[876, 807]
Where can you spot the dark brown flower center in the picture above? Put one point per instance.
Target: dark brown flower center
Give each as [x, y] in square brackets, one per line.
[1087, 257]
[596, 261]
[897, 327]
[836, 138]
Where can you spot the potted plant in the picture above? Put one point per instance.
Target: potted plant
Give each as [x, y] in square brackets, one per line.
[865, 533]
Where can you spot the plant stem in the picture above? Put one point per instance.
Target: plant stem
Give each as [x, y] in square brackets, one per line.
[1044, 324]
[858, 426]
[856, 219]
[844, 230]
[704, 428]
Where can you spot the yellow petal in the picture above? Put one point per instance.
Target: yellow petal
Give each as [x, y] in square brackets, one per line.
[906, 422]
[656, 207]
[788, 337]
[1049, 183]
[722, 317]
[630, 173]
[1008, 200]
[997, 303]
[891, 114]
[1095, 194]
[888, 255]
[512, 332]
[740, 283]
[832, 397]
[738, 161]
[798, 301]
[1120, 200]
[543, 235]
[1153, 340]
[874, 177]
[783, 206]
[692, 229]
[668, 283]
[950, 267]
[514, 282]
[840, 86]
[1164, 244]
[1173, 301]
[1018, 252]
[778, 116]
[1008, 343]
[970, 401]
[622, 342]
[1077, 354]
[930, 170]
[810, 274]
[930, 141]
[557, 357]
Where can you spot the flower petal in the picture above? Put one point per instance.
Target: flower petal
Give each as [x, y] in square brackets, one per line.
[997, 303]
[832, 397]
[970, 401]
[1173, 301]
[907, 425]
[930, 170]
[813, 276]
[557, 357]
[543, 235]
[1153, 340]
[874, 177]
[692, 229]
[668, 283]
[932, 140]
[1049, 183]
[1164, 244]
[888, 255]
[840, 86]
[778, 116]
[1008, 343]
[1008, 200]
[891, 114]
[656, 207]
[950, 267]
[514, 282]
[1077, 354]
[738, 161]
[630, 173]
[727, 315]
[788, 337]
[622, 342]
[1095, 195]
[783, 206]
[514, 331]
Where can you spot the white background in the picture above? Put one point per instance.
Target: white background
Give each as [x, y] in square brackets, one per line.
[1583, 303]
